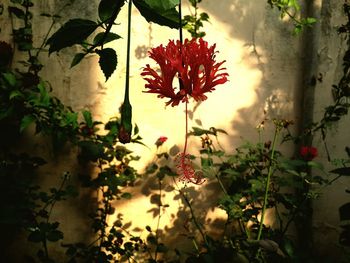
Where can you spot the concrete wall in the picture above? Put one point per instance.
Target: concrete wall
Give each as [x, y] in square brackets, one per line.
[264, 61]
[330, 51]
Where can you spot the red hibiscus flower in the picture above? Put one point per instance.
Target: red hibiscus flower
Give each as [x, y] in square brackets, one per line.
[308, 153]
[193, 62]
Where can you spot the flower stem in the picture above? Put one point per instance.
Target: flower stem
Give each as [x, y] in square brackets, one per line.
[186, 126]
[180, 22]
[127, 74]
[193, 216]
[270, 171]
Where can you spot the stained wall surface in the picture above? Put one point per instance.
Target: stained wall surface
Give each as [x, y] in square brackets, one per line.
[265, 62]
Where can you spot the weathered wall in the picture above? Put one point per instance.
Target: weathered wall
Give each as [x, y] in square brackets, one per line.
[264, 61]
[330, 52]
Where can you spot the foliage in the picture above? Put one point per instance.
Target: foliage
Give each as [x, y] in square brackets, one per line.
[341, 92]
[291, 8]
[192, 23]
[26, 102]
[77, 31]
[254, 178]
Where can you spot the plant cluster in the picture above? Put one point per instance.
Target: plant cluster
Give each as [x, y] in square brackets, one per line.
[255, 179]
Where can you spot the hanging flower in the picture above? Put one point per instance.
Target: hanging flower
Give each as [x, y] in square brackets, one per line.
[308, 153]
[193, 62]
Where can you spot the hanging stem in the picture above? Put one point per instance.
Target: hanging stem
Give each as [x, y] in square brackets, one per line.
[193, 216]
[180, 81]
[186, 126]
[127, 74]
[180, 22]
[126, 109]
[270, 171]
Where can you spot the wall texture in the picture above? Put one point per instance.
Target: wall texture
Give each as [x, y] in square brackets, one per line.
[268, 72]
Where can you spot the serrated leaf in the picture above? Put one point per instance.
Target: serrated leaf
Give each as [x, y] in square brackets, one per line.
[106, 8]
[75, 31]
[108, 61]
[101, 37]
[77, 58]
[154, 11]
[26, 121]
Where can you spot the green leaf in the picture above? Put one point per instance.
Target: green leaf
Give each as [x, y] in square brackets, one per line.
[108, 61]
[162, 5]
[310, 20]
[54, 235]
[36, 236]
[15, 93]
[106, 9]
[294, 4]
[77, 58]
[108, 38]
[75, 31]
[315, 165]
[158, 12]
[10, 79]
[206, 162]
[26, 121]
[90, 150]
[88, 118]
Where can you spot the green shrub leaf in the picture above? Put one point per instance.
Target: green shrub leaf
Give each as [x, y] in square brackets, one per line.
[101, 39]
[160, 12]
[108, 61]
[77, 58]
[106, 8]
[26, 121]
[75, 31]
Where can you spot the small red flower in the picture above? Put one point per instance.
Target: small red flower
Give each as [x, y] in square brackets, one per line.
[192, 62]
[159, 142]
[308, 153]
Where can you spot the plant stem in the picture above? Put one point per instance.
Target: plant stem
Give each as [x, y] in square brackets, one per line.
[127, 74]
[158, 221]
[193, 217]
[180, 22]
[221, 184]
[270, 171]
[186, 126]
